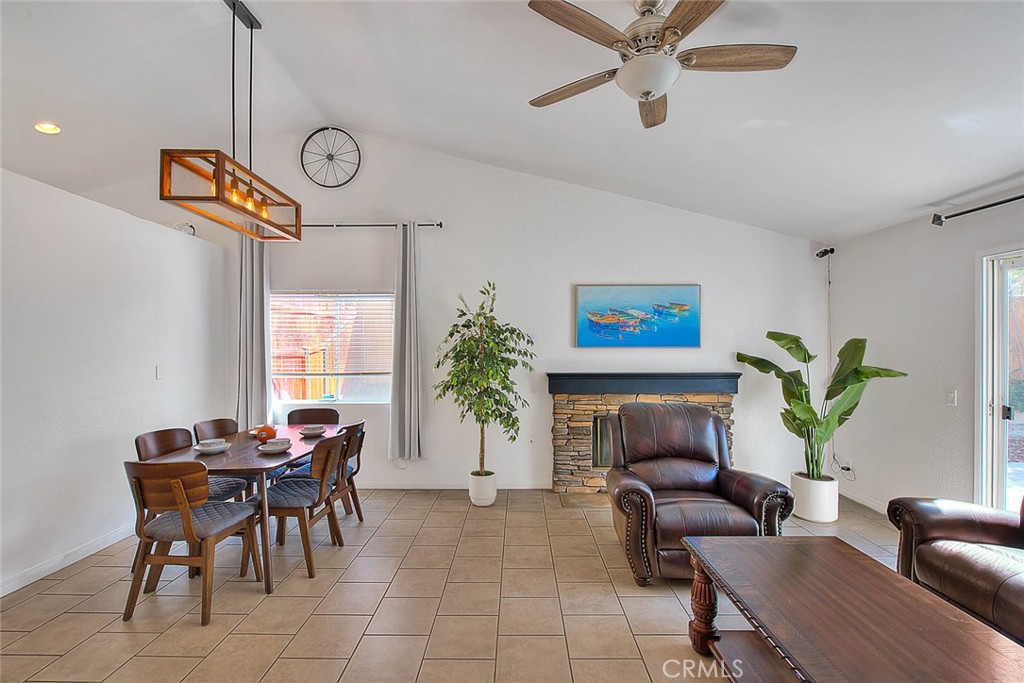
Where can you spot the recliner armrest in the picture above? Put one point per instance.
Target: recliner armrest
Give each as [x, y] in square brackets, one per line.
[768, 501]
[621, 481]
[920, 520]
[634, 499]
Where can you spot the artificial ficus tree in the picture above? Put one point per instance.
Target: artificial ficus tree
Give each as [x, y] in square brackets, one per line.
[481, 352]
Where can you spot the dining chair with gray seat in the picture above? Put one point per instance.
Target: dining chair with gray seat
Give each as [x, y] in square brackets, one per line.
[172, 504]
[348, 467]
[308, 499]
[225, 426]
[215, 429]
[311, 416]
[314, 416]
[163, 441]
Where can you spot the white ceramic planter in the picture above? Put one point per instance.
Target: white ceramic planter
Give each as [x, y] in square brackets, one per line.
[817, 500]
[483, 490]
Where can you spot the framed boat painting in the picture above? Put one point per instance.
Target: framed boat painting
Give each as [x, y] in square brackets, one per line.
[638, 316]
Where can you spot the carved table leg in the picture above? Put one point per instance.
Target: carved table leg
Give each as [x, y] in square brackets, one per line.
[704, 604]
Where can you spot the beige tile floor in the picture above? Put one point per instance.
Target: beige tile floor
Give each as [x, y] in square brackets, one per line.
[427, 589]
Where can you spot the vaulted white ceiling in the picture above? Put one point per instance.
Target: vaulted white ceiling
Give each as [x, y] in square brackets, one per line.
[888, 109]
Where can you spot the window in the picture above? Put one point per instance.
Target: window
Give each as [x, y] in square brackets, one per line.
[331, 347]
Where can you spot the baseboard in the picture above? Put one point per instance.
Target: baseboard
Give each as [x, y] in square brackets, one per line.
[868, 501]
[44, 569]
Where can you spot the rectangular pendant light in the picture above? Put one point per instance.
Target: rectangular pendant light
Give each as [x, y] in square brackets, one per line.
[215, 186]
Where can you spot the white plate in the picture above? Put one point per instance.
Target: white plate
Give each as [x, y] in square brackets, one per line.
[212, 451]
[312, 432]
[272, 450]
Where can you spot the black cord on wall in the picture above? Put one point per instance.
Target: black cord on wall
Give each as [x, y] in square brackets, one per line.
[836, 466]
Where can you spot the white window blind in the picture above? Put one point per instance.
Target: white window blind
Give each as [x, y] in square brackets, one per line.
[331, 347]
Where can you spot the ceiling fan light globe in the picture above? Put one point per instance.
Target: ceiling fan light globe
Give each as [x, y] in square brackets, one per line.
[648, 77]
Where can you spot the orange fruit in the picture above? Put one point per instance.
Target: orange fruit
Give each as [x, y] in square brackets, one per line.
[265, 433]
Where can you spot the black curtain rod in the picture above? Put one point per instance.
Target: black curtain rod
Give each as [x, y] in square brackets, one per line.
[939, 220]
[439, 225]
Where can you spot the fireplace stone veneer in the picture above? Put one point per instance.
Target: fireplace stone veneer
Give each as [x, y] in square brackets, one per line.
[580, 398]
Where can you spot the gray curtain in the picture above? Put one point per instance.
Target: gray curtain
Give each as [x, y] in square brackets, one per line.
[253, 355]
[405, 374]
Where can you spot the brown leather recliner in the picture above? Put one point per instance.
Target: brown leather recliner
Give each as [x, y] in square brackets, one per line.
[971, 555]
[671, 477]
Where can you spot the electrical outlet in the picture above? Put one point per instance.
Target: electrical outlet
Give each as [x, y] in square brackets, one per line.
[951, 397]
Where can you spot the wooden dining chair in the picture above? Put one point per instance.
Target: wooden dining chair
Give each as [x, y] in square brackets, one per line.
[347, 473]
[172, 504]
[163, 441]
[314, 416]
[215, 429]
[308, 499]
[311, 416]
[343, 481]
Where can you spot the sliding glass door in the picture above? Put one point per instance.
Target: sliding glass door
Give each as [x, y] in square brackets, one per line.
[1004, 408]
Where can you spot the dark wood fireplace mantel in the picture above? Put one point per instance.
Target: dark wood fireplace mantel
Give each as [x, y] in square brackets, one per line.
[643, 382]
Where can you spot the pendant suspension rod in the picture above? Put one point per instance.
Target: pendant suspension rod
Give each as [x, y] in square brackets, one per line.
[251, 33]
[234, 16]
[239, 12]
[243, 14]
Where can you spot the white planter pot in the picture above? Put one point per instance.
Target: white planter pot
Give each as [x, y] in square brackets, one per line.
[817, 500]
[483, 490]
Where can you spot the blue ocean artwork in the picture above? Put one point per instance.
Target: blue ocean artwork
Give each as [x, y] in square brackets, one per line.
[638, 315]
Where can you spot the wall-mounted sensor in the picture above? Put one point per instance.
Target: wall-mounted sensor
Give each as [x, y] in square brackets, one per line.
[827, 251]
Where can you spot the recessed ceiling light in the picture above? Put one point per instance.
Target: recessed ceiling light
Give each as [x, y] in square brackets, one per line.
[47, 128]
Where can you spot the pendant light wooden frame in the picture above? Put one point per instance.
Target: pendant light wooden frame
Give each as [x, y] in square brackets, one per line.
[216, 186]
[214, 169]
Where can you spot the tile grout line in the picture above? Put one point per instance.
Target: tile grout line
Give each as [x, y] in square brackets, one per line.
[853, 524]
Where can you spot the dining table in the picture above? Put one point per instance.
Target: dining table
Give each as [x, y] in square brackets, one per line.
[244, 459]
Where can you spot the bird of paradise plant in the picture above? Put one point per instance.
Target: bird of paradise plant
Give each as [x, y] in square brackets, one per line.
[846, 386]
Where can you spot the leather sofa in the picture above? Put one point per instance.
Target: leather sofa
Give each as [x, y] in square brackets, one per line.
[971, 555]
[671, 477]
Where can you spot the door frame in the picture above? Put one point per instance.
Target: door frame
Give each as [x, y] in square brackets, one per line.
[987, 363]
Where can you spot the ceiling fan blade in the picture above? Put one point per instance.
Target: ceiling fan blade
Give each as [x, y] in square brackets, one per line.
[579, 21]
[686, 16]
[654, 112]
[574, 88]
[736, 57]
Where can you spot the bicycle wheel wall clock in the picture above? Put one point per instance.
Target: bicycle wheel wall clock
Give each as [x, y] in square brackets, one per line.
[330, 157]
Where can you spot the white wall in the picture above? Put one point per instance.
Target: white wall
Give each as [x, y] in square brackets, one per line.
[913, 291]
[93, 299]
[537, 238]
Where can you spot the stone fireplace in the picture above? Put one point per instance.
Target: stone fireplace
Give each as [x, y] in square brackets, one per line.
[583, 402]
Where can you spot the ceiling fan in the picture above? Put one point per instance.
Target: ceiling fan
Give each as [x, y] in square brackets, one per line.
[649, 48]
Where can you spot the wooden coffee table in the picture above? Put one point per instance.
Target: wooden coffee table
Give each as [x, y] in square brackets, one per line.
[824, 611]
